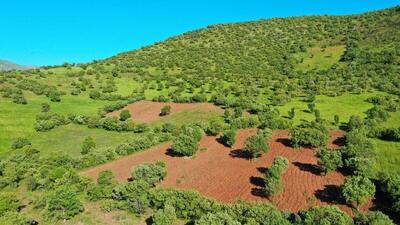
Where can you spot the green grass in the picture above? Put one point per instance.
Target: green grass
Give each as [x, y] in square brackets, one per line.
[388, 156]
[393, 121]
[319, 58]
[67, 139]
[344, 106]
[126, 85]
[18, 120]
[190, 116]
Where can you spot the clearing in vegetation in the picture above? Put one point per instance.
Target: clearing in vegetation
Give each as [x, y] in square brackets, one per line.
[226, 175]
[148, 111]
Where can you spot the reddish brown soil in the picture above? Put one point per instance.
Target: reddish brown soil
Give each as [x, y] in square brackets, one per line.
[224, 174]
[148, 111]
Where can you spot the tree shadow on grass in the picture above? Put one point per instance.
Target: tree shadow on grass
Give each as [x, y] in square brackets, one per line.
[314, 169]
[285, 141]
[240, 153]
[330, 194]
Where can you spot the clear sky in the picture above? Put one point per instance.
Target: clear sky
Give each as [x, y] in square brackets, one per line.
[47, 32]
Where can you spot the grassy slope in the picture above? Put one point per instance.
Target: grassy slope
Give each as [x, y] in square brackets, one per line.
[320, 58]
[18, 120]
[344, 106]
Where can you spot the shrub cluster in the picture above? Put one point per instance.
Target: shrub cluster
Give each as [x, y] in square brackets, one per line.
[257, 144]
[309, 134]
[272, 177]
[187, 142]
[46, 121]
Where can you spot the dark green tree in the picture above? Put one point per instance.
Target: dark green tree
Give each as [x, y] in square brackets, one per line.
[329, 159]
[357, 190]
[165, 110]
[87, 145]
[165, 216]
[152, 173]
[124, 115]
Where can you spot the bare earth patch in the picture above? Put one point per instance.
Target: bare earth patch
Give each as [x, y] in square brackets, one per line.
[148, 111]
[223, 173]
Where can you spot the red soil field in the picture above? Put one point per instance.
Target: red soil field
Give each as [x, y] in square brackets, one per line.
[148, 111]
[222, 174]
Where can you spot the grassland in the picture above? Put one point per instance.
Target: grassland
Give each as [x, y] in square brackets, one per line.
[319, 58]
[344, 106]
[18, 120]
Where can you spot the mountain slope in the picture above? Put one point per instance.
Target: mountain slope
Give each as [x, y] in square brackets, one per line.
[7, 65]
[271, 50]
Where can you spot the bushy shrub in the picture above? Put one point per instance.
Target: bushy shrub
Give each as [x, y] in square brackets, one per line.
[63, 204]
[124, 115]
[87, 145]
[329, 159]
[257, 144]
[45, 107]
[217, 218]
[9, 203]
[214, 128]
[361, 166]
[20, 143]
[378, 113]
[357, 190]
[390, 134]
[245, 122]
[272, 178]
[372, 218]
[48, 121]
[187, 143]
[168, 127]
[165, 110]
[152, 173]
[355, 122]
[323, 215]
[188, 204]
[389, 185]
[164, 216]
[309, 134]
[229, 137]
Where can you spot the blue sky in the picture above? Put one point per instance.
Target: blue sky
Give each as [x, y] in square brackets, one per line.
[48, 32]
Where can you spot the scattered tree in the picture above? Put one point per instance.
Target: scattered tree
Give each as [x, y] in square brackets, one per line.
[324, 215]
[87, 145]
[336, 119]
[357, 190]
[272, 178]
[45, 107]
[20, 143]
[291, 113]
[229, 137]
[165, 110]
[152, 173]
[329, 159]
[124, 115]
[256, 145]
[164, 216]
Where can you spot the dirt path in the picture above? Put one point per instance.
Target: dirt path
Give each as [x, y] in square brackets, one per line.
[221, 173]
[148, 111]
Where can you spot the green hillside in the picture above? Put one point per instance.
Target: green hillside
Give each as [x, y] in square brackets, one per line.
[307, 75]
